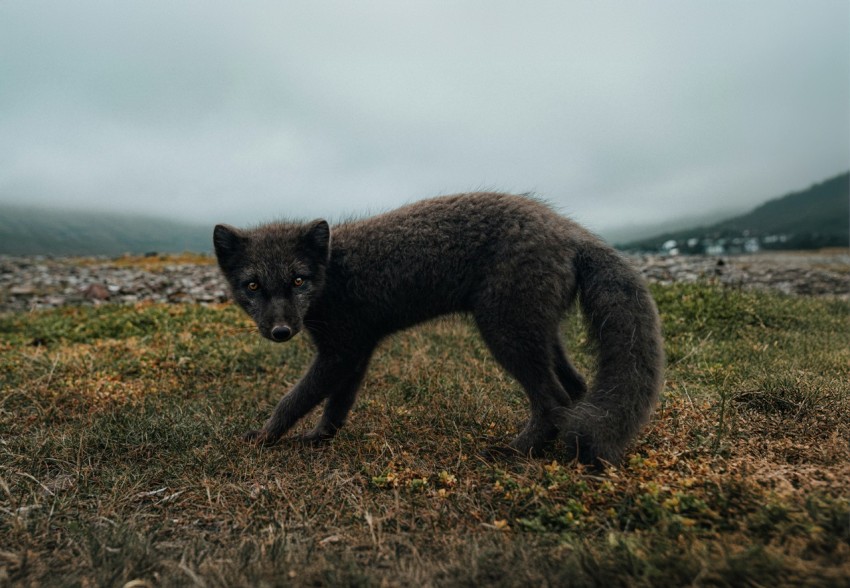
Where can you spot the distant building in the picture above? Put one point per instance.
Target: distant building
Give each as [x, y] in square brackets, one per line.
[774, 239]
[670, 247]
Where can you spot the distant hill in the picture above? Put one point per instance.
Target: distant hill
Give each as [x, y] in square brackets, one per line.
[37, 231]
[811, 219]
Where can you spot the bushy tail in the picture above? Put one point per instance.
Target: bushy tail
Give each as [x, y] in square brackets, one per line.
[624, 325]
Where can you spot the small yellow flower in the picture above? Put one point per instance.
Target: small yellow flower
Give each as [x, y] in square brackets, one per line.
[446, 479]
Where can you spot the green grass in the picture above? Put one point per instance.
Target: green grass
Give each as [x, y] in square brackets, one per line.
[120, 458]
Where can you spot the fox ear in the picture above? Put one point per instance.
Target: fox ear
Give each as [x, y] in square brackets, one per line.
[317, 239]
[229, 244]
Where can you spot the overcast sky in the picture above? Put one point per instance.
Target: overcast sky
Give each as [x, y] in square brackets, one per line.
[618, 112]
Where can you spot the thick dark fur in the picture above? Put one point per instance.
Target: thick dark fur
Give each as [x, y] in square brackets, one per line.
[510, 261]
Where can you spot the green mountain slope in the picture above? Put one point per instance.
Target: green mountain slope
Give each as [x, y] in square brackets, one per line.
[813, 218]
[36, 231]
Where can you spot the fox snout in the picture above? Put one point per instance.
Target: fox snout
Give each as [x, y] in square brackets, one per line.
[281, 333]
[279, 320]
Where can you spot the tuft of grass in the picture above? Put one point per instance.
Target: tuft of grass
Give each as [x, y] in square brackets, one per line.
[120, 457]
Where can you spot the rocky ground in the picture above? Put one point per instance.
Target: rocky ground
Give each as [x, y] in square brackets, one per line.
[31, 283]
[819, 273]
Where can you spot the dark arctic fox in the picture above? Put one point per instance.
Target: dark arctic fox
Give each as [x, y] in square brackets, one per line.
[510, 261]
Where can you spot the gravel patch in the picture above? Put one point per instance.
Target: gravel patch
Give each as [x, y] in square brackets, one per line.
[32, 283]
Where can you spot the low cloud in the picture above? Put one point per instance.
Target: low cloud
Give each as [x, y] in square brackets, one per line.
[618, 114]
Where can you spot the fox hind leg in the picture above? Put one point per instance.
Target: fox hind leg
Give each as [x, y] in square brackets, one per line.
[527, 354]
[572, 381]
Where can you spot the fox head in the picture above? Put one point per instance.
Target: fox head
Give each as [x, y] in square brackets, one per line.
[275, 271]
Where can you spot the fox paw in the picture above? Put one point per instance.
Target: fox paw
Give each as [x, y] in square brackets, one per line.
[258, 437]
[315, 438]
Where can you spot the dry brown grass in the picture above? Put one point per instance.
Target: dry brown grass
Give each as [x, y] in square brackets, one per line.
[120, 460]
[152, 262]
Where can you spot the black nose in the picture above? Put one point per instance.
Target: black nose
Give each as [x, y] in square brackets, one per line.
[281, 333]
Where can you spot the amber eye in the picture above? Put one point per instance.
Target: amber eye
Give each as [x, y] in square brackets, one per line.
[299, 281]
[253, 286]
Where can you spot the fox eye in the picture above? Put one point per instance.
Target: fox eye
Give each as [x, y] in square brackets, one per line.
[253, 286]
[298, 281]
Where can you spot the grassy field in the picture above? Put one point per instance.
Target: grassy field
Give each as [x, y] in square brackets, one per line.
[121, 464]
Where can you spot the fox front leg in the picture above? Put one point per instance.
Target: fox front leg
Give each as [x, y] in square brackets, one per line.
[330, 376]
[350, 374]
[310, 390]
